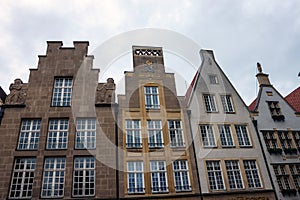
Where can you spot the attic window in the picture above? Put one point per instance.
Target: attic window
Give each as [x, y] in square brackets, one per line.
[213, 79]
[269, 93]
[275, 111]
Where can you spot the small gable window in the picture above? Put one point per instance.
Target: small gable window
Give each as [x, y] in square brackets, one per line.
[275, 111]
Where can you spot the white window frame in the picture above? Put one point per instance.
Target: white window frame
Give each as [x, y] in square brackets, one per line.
[29, 134]
[252, 174]
[62, 86]
[137, 169]
[152, 97]
[155, 136]
[85, 133]
[19, 172]
[243, 136]
[176, 133]
[58, 134]
[133, 131]
[214, 170]
[158, 170]
[183, 171]
[208, 135]
[86, 165]
[225, 133]
[57, 167]
[227, 103]
[210, 103]
[234, 174]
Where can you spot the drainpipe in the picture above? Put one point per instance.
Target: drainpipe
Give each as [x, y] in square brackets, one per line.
[194, 151]
[254, 121]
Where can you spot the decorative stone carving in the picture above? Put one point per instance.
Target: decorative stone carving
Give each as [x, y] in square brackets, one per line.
[147, 52]
[106, 92]
[17, 95]
[259, 68]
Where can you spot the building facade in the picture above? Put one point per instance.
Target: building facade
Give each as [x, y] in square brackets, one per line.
[229, 158]
[2, 100]
[52, 133]
[278, 127]
[157, 160]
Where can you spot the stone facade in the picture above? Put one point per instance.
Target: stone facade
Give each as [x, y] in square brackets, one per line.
[229, 159]
[2, 100]
[279, 130]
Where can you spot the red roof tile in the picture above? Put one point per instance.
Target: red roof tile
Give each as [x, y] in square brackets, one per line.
[252, 105]
[294, 99]
[190, 89]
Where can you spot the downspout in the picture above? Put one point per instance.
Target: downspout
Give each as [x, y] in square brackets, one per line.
[194, 151]
[254, 121]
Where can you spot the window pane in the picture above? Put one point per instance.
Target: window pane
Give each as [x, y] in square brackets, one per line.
[29, 134]
[62, 92]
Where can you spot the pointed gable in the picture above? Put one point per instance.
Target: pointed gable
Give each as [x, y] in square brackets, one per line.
[252, 105]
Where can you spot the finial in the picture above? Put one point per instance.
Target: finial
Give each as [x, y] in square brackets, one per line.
[259, 67]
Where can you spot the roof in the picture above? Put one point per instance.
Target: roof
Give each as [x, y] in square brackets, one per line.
[252, 105]
[189, 91]
[294, 99]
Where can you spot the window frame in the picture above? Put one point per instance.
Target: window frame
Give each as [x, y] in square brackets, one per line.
[173, 129]
[241, 135]
[213, 79]
[88, 134]
[161, 176]
[21, 174]
[65, 134]
[254, 180]
[227, 102]
[58, 101]
[236, 177]
[184, 176]
[152, 97]
[209, 139]
[210, 103]
[84, 170]
[227, 136]
[135, 133]
[135, 172]
[155, 133]
[216, 173]
[33, 135]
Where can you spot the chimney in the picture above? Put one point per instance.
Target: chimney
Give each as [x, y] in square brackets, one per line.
[263, 79]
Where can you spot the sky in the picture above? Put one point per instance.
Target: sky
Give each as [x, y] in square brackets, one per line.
[241, 33]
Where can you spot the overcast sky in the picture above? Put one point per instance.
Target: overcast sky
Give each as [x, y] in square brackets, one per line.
[240, 33]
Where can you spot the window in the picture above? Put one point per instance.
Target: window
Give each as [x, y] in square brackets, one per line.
[271, 142]
[295, 172]
[155, 134]
[85, 134]
[296, 136]
[54, 177]
[225, 136]
[151, 97]
[210, 103]
[275, 111]
[208, 136]
[181, 176]
[22, 178]
[227, 103]
[176, 133]
[242, 135]
[234, 174]
[285, 139]
[252, 174]
[58, 134]
[84, 176]
[282, 177]
[29, 135]
[159, 176]
[215, 175]
[133, 134]
[62, 92]
[135, 177]
[213, 79]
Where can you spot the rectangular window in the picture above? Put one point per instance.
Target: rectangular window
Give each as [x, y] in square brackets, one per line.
[58, 134]
[210, 103]
[62, 92]
[242, 135]
[227, 103]
[176, 133]
[181, 176]
[53, 178]
[133, 134]
[282, 177]
[270, 140]
[285, 139]
[135, 177]
[84, 176]
[22, 178]
[213, 79]
[252, 174]
[29, 134]
[85, 134]
[151, 97]
[234, 174]
[155, 134]
[295, 172]
[158, 176]
[215, 175]
[208, 136]
[296, 136]
[225, 136]
[275, 111]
